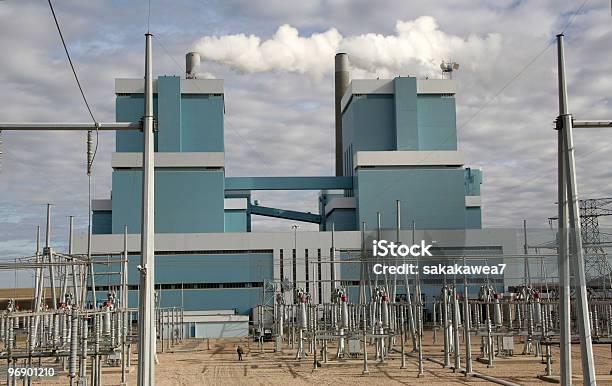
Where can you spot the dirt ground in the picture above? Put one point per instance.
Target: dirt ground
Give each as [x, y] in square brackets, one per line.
[198, 362]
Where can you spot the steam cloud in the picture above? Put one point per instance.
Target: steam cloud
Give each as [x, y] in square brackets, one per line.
[416, 48]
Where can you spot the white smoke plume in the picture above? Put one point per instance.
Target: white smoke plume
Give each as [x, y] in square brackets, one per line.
[416, 48]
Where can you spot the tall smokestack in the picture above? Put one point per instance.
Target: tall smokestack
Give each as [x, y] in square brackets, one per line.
[192, 61]
[342, 79]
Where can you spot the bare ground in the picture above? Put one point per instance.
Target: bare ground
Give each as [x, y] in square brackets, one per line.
[198, 362]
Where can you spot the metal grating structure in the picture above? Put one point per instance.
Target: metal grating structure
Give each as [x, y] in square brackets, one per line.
[597, 267]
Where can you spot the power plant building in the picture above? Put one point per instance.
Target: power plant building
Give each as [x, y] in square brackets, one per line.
[398, 141]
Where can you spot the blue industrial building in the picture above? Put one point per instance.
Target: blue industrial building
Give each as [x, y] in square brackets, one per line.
[399, 142]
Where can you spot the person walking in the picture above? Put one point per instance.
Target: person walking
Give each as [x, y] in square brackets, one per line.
[240, 351]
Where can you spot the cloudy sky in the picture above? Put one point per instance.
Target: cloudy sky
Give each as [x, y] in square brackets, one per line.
[276, 57]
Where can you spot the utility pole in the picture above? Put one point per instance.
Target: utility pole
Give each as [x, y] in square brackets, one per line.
[570, 240]
[146, 346]
[146, 322]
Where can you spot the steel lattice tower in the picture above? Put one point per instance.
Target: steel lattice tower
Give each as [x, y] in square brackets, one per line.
[597, 267]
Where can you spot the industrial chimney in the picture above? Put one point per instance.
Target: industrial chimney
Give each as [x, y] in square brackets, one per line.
[342, 79]
[192, 60]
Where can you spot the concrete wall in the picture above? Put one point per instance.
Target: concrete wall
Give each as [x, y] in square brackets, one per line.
[221, 330]
[473, 217]
[342, 219]
[235, 220]
[130, 108]
[186, 121]
[405, 114]
[199, 281]
[406, 117]
[169, 113]
[368, 123]
[202, 123]
[102, 222]
[186, 201]
[436, 122]
[432, 197]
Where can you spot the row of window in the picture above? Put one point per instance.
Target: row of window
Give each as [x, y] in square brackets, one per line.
[180, 286]
[209, 252]
[348, 283]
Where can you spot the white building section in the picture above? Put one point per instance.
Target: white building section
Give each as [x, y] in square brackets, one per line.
[235, 204]
[215, 324]
[188, 86]
[473, 201]
[340, 203]
[170, 160]
[408, 158]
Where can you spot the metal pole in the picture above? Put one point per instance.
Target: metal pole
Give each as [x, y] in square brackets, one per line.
[39, 284]
[455, 330]
[399, 227]
[85, 274]
[446, 326]
[74, 323]
[83, 362]
[124, 306]
[402, 331]
[146, 342]
[91, 269]
[55, 126]
[591, 124]
[332, 258]
[49, 254]
[527, 279]
[378, 236]
[586, 344]
[564, 280]
[64, 269]
[75, 287]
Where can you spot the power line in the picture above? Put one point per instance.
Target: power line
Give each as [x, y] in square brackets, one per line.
[76, 78]
[71, 64]
[501, 90]
[571, 19]
[517, 75]
[539, 176]
[166, 51]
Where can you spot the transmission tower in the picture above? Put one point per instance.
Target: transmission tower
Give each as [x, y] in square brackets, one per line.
[597, 267]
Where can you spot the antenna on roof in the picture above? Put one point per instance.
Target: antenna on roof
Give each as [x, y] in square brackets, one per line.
[448, 68]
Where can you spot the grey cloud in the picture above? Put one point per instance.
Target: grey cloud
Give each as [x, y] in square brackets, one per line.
[288, 119]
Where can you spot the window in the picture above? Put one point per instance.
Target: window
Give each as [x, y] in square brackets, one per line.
[189, 286]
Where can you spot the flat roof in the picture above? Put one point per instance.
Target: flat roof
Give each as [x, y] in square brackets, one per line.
[386, 86]
[188, 86]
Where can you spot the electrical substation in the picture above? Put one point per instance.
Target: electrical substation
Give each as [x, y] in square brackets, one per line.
[171, 269]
